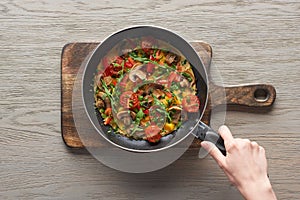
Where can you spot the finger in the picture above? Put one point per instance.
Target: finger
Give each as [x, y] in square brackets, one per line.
[214, 152]
[225, 134]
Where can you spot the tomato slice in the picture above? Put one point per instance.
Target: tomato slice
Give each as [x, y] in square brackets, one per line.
[153, 133]
[191, 103]
[135, 101]
[124, 98]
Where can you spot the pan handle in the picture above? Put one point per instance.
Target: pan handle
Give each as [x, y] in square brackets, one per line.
[205, 133]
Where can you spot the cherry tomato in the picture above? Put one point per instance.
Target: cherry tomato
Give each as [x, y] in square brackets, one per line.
[124, 98]
[119, 60]
[107, 111]
[153, 133]
[179, 68]
[191, 103]
[131, 60]
[107, 120]
[128, 64]
[111, 70]
[135, 101]
[114, 82]
[158, 54]
[146, 112]
[152, 58]
[168, 94]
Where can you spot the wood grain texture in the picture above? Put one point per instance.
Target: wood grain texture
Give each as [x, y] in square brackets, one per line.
[253, 42]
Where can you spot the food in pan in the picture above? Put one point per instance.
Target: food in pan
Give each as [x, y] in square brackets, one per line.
[145, 92]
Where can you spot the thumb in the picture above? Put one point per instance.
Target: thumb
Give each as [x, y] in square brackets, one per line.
[214, 152]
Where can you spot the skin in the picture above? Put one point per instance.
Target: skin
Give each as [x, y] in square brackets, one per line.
[245, 165]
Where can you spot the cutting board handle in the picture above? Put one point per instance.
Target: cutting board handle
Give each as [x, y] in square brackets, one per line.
[256, 95]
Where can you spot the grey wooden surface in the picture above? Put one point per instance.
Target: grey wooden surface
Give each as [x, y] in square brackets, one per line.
[253, 41]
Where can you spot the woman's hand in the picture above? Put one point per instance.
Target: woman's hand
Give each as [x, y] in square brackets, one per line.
[245, 165]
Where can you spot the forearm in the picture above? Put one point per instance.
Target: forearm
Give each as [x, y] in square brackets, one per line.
[258, 190]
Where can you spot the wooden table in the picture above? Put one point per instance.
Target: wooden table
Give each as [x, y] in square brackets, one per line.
[253, 42]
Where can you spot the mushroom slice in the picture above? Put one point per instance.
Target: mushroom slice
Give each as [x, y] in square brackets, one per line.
[107, 102]
[174, 108]
[184, 83]
[125, 117]
[134, 74]
[100, 103]
[107, 80]
[172, 58]
[176, 116]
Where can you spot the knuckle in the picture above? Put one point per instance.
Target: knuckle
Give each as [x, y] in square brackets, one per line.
[254, 144]
[247, 141]
[231, 146]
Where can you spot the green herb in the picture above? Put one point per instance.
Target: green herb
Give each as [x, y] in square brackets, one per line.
[132, 54]
[186, 75]
[106, 89]
[174, 87]
[140, 98]
[179, 124]
[140, 115]
[140, 59]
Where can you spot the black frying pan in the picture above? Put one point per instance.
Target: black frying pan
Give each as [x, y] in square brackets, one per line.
[192, 126]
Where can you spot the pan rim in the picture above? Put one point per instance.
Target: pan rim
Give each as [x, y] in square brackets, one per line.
[144, 150]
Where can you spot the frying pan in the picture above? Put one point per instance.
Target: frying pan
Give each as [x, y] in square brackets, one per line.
[192, 126]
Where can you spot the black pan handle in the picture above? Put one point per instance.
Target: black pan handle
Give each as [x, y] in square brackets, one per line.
[205, 133]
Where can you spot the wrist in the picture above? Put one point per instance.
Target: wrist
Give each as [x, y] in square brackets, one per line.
[257, 190]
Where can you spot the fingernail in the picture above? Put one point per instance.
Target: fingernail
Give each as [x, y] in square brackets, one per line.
[223, 128]
[205, 145]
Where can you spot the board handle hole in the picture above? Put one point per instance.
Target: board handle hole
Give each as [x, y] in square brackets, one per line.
[261, 95]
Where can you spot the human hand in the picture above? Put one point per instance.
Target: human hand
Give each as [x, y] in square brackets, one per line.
[245, 165]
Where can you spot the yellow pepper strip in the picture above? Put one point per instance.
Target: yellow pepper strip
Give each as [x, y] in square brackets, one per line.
[169, 127]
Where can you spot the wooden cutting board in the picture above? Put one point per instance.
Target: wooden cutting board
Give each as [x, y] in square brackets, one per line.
[254, 98]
